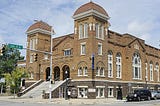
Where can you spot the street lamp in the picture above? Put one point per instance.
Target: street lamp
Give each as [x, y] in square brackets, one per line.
[50, 85]
[146, 79]
[66, 73]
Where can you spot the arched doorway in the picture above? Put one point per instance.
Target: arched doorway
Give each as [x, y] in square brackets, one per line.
[48, 74]
[57, 73]
[66, 72]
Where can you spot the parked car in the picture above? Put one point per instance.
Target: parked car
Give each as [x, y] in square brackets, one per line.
[139, 94]
[155, 94]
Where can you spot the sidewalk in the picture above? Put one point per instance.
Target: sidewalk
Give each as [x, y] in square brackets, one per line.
[61, 100]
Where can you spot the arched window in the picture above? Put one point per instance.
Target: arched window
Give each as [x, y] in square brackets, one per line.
[157, 70]
[110, 64]
[100, 71]
[151, 70]
[85, 30]
[136, 66]
[99, 31]
[146, 70]
[80, 31]
[82, 71]
[85, 72]
[119, 65]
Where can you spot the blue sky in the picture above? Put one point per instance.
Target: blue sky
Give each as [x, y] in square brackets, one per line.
[140, 18]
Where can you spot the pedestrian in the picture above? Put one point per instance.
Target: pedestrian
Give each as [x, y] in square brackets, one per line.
[69, 94]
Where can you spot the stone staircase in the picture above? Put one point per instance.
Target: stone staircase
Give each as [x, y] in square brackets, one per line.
[40, 89]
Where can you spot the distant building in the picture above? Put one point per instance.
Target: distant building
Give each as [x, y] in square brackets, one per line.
[97, 60]
[21, 64]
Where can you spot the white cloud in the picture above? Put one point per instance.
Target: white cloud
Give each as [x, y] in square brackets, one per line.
[138, 17]
[140, 27]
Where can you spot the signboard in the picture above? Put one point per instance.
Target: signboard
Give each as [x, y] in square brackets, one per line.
[92, 61]
[91, 90]
[2, 80]
[15, 46]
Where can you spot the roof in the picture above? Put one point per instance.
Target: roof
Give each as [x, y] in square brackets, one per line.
[90, 6]
[39, 25]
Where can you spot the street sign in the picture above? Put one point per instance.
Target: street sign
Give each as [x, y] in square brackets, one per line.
[15, 46]
[92, 61]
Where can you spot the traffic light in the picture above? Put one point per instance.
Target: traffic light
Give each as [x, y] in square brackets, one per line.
[35, 57]
[3, 49]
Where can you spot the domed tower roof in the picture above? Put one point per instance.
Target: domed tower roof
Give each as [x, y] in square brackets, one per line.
[89, 8]
[39, 26]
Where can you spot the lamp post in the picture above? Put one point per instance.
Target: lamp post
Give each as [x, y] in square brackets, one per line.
[66, 72]
[146, 79]
[50, 85]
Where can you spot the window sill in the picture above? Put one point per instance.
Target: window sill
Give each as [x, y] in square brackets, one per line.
[100, 97]
[110, 96]
[100, 76]
[82, 54]
[110, 77]
[137, 79]
[100, 54]
[82, 75]
[118, 78]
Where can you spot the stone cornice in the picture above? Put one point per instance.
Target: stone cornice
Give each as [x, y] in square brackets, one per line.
[38, 30]
[89, 13]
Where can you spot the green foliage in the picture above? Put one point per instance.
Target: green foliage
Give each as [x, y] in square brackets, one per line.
[8, 61]
[13, 79]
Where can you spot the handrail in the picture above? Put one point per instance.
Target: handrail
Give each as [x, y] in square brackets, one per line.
[29, 88]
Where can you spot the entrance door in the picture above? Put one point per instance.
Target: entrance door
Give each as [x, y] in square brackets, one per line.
[57, 73]
[66, 72]
[48, 74]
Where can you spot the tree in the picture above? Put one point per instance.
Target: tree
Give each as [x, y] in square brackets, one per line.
[8, 61]
[13, 79]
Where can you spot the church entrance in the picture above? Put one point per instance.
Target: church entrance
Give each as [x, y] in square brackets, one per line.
[66, 72]
[48, 74]
[57, 73]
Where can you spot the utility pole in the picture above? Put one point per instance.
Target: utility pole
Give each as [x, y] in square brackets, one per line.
[50, 85]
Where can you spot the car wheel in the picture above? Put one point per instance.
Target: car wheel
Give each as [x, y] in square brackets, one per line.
[155, 98]
[139, 99]
[128, 100]
[149, 98]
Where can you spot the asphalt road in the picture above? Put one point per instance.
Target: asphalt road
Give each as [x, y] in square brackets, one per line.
[142, 103]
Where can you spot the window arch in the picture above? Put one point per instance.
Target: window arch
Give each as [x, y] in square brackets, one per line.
[82, 69]
[83, 30]
[99, 31]
[100, 69]
[151, 70]
[136, 64]
[110, 64]
[80, 31]
[157, 70]
[119, 65]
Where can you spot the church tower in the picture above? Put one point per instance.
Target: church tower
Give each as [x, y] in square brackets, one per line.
[90, 31]
[38, 38]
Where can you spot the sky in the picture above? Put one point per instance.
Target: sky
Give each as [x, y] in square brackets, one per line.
[140, 18]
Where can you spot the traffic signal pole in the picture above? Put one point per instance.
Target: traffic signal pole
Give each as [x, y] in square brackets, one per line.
[50, 85]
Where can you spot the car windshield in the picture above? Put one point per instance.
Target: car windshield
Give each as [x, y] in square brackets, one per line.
[136, 91]
[154, 91]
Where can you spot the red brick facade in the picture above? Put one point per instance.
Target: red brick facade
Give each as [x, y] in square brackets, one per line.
[120, 60]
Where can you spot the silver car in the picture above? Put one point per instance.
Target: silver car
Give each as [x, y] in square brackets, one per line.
[155, 94]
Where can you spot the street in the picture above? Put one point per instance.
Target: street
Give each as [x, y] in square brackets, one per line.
[118, 103]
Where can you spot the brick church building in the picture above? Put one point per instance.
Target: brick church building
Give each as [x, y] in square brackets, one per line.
[97, 61]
